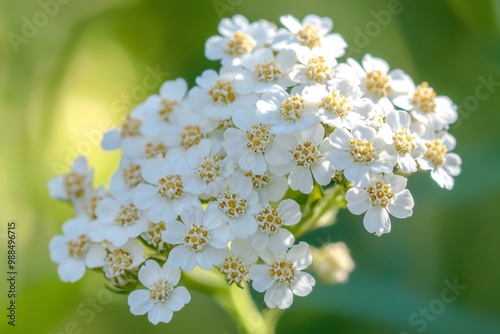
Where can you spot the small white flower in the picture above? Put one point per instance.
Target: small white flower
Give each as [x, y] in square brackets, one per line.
[313, 32]
[360, 152]
[117, 222]
[86, 205]
[442, 164]
[200, 237]
[123, 259]
[153, 235]
[216, 97]
[125, 179]
[281, 277]
[271, 232]
[342, 106]
[304, 156]
[427, 107]
[74, 184]
[383, 196]
[314, 68]
[161, 109]
[249, 142]
[161, 298]
[265, 70]
[170, 188]
[74, 251]
[407, 144]
[237, 262]
[287, 113]
[239, 37]
[237, 203]
[375, 80]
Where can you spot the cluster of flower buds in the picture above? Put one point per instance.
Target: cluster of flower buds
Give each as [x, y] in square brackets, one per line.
[226, 175]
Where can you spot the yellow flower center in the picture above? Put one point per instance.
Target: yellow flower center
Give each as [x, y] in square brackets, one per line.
[130, 127]
[308, 36]
[267, 71]
[378, 83]
[132, 175]
[424, 98]
[336, 103]
[269, 220]
[153, 234]
[222, 92]
[170, 186]
[127, 215]
[436, 152]
[159, 290]
[79, 246]
[239, 44]
[259, 181]
[119, 261]
[282, 272]
[209, 168]
[152, 150]
[380, 195]
[258, 138]
[234, 270]
[318, 70]
[404, 141]
[231, 204]
[196, 238]
[167, 109]
[362, 151]
[91, 205]
[291, 108]
[191, 136]
[74, 184]
[305, 153]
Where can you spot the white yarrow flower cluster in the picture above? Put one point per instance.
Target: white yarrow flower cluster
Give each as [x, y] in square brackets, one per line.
[215, 176]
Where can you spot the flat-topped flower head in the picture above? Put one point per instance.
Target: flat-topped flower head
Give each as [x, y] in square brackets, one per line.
[271, 232]
[384, 195]
[237, 203]
[313, 32]
[74, 251]
[435, 111]
[123, 259]
[161, 298]
[361, 152]
[170, 188]
[117, 222]
[438, 159]
[304, 156]
[200, 237]
[239, 38]
[286, 112]
[281, 276]
[74, 184]
[237, 262]
[161, 109]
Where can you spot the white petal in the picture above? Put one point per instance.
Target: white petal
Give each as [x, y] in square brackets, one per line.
[140, 302]
[303, 283]
[160, 313]
[402, 205]
[377, 221]
[357, 201]
[278, 296]
[259, 274]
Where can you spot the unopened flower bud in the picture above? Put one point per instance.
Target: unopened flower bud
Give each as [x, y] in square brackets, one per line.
[332, 263]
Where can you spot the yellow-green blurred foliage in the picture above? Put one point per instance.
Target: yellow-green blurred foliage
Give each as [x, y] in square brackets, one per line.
[66, 83]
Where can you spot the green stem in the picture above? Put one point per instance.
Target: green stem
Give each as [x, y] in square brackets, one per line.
[240, 305]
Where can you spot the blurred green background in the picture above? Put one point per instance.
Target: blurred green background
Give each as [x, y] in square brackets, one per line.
[69, 80]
